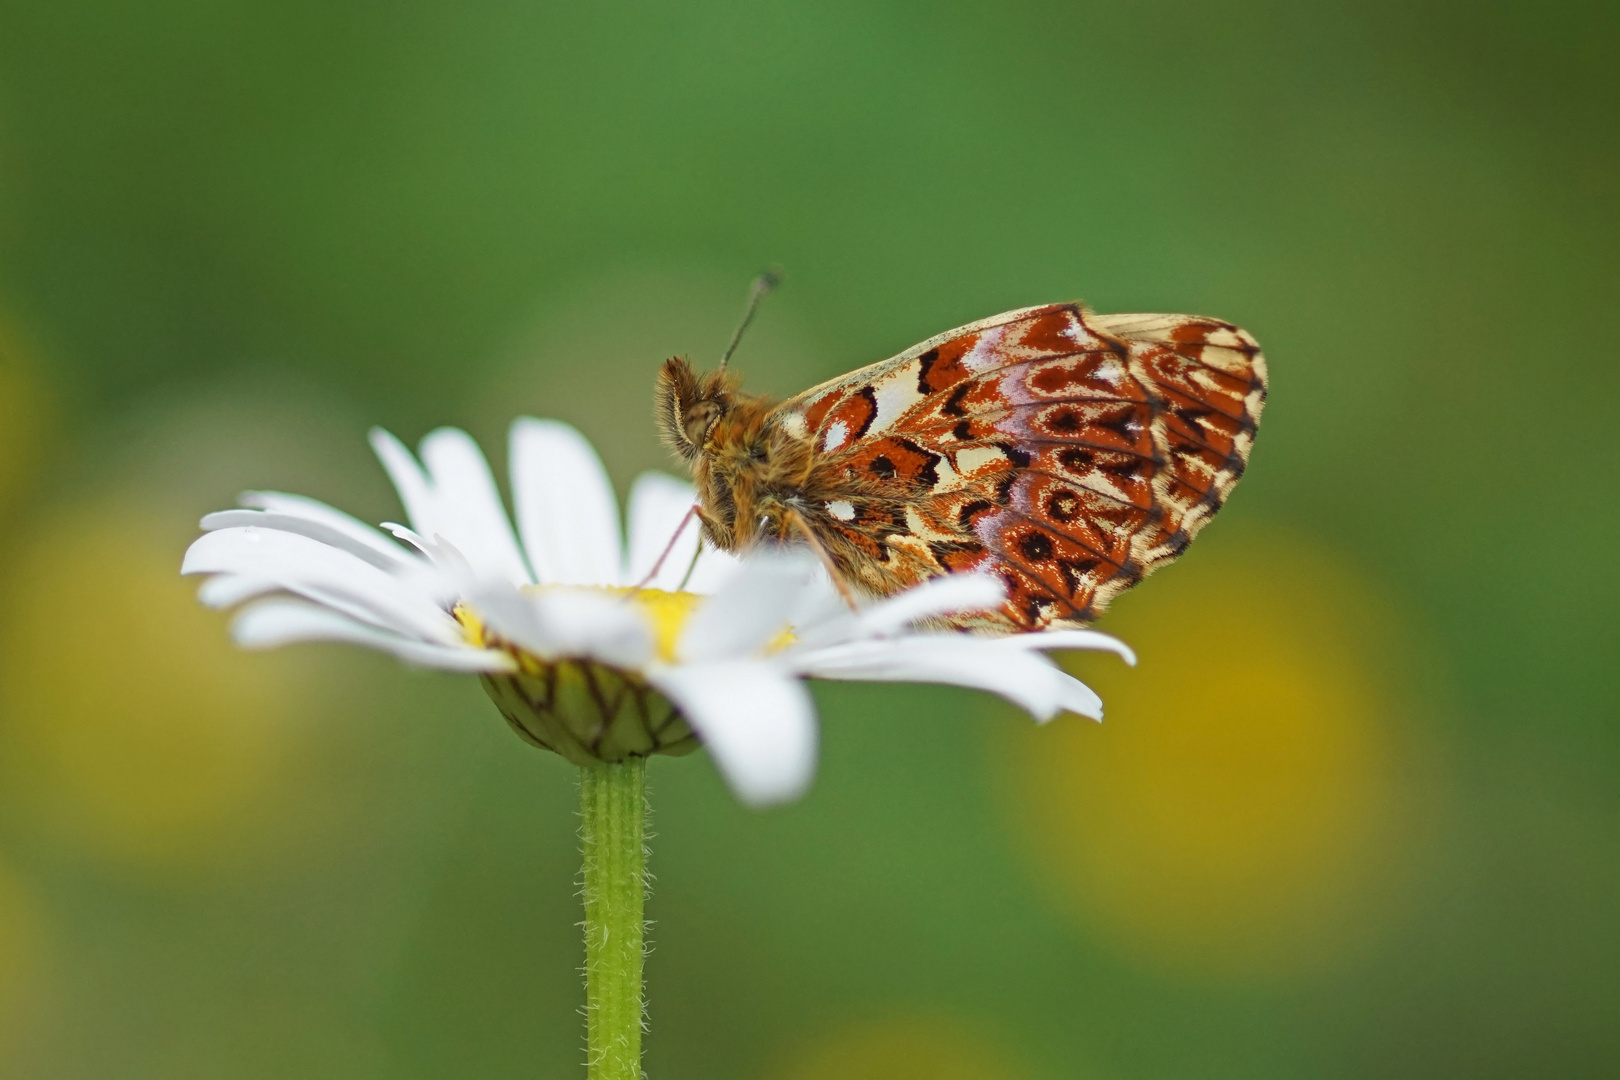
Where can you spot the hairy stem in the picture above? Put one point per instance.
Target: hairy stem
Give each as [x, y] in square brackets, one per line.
[612, 802]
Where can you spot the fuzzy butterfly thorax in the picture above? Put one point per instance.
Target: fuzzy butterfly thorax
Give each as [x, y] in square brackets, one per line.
[1067, 452]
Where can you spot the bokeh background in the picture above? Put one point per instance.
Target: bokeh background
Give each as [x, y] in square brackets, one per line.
[1354, 815]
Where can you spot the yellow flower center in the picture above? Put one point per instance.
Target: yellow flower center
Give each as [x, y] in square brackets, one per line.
[587, 711]
[666, 612]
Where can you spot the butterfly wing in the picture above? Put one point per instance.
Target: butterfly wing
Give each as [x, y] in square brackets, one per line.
[1070, 453]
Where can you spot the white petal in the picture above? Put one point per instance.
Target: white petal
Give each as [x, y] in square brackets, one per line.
[270, 623]
[1069, 639]
[940, 596]
[758, 723]
[1076, 697]
[415, 491]
[382, 554]
[567, 622]
[324, 574]
[659, 505]
[413, 538]
[455, 497]
[443, 572]
[472, 517]
[753, 606]
[313, 509]
[228, 590]
[1026, 678]
[566, 510]
[823, 616]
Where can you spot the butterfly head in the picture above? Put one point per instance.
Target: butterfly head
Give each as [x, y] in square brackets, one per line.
[690, 406]
[746, 469]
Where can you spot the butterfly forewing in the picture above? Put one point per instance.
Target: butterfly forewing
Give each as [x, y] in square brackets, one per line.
[1067, 452]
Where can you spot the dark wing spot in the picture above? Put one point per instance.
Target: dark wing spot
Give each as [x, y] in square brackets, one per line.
[953, 405]
[962, 430]
[925, 363]
[1063, 506]
[871, 413]
[1019, 457]
[1065, 420]
[971, 510]
[1075, 573]
[1191, 414]
[925, 469]
[1125, 425]
[1076, 460]
[882, 467]
[1036, 546]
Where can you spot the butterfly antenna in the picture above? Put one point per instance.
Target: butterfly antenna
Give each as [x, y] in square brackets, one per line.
[763, 284]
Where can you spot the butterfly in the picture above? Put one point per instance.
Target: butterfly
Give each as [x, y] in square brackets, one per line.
[1070, 453]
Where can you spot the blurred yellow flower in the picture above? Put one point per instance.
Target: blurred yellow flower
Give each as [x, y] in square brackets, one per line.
[904, 1048]
[1237, 815]
[132, 723]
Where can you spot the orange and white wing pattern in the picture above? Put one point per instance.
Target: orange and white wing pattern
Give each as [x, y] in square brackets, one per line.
[1070, 453]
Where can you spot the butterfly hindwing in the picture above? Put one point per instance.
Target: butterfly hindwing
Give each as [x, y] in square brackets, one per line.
[1211, 378]
[1069, 453]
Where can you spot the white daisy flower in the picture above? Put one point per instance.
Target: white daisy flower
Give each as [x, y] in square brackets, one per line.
[580, 660]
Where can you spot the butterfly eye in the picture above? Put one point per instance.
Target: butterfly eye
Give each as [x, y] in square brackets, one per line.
[699, 418]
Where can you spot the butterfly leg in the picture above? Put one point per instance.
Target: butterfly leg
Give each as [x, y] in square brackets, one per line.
[691, 567]
[796, 519]
[669, 547]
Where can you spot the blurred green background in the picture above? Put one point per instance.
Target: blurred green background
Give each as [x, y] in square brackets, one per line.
[1354, 815]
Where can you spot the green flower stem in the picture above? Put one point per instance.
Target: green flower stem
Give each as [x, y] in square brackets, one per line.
[612, 802]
